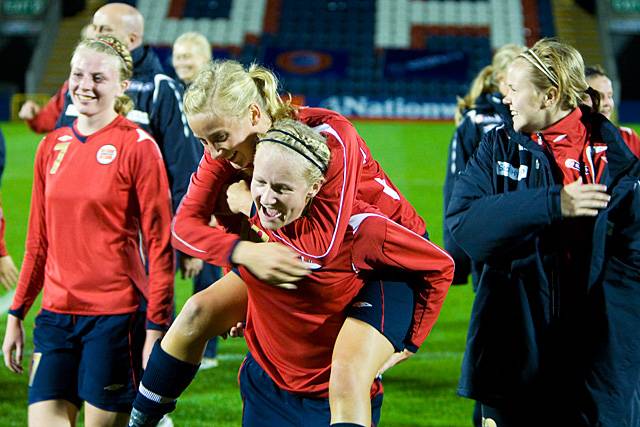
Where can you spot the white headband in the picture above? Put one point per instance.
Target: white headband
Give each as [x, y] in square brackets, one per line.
[540, 65]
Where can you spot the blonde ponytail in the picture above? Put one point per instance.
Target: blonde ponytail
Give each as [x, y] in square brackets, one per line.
[483, 83]
[267, 85]
[227, 89]
[123, 104]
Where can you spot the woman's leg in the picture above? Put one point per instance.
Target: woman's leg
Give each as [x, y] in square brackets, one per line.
[54, 413]
[96, 417]
[359, 353]
[378, 322]
[53, 380]
[206, 277]
[174, 363]
[205, 315]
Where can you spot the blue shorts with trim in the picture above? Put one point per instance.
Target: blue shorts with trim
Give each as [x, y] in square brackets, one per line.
[386, 302]
[266, 405]
[96, 359]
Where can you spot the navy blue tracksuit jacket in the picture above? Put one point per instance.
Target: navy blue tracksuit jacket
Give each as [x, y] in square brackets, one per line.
[568, 342]
[476, 122]
[157, 100]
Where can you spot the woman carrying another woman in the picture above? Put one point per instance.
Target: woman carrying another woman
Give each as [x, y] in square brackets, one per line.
[98, 186]
[228, 107]
[551, 207]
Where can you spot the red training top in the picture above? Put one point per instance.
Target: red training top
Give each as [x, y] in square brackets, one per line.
[291, 333]
[98, 203]
[630, 137]
[569, 141]
[3, 243]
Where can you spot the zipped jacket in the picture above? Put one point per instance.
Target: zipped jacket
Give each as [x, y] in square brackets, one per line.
[488, 113]
[534, 330]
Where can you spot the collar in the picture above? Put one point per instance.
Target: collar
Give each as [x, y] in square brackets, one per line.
[137, 55]
[569, 128]
[83, 138]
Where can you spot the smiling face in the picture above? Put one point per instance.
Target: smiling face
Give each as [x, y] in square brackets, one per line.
[525, 101]
[231, 139]
[603, 85]
[94, 82]
[188, 60]
[279, 187]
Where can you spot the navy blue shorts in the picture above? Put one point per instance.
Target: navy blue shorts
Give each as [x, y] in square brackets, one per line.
[265, 404]
[386, 302]
[96, 359]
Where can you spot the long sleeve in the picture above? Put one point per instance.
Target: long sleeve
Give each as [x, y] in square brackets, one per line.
[320, 233]
[45, 120]
[32, 271]
[380, 243]
[152, 192]
[191, 232]
[3, 226]
[489, 225]
[180, 150]
[612, 352]
[459, 155]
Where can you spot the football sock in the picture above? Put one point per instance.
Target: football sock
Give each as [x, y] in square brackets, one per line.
[346, 425]
[162, 383]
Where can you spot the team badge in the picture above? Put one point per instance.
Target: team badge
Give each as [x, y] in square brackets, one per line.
[575, 165]
[361, 304]
[106, 154]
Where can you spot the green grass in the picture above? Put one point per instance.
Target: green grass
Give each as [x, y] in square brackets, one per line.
[420, 392]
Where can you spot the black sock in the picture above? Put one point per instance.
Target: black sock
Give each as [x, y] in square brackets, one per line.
[162, 383]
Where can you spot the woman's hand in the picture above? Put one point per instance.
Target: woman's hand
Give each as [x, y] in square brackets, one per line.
[29, 110]
[8, 272]
[149, 341]
[394, 360]
[13, 345]
[578, 199]
[272, 263]
[239, 198]
[235, 331]
[190, 267]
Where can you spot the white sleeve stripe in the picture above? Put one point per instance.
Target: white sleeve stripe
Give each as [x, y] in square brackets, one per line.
[357, 219]
[154, 397]
[326, 128]
[181, 240]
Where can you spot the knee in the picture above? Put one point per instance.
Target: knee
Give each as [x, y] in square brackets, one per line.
[347, 378]
[192, 318]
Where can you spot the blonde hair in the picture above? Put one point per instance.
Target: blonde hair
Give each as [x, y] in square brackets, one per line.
[110, 45]
[487, 80]
[227, 89]
[203, 48]
[559, 65]
[293, 138]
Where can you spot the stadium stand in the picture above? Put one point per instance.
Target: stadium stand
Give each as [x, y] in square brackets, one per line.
[376, 58]
[371, 50]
